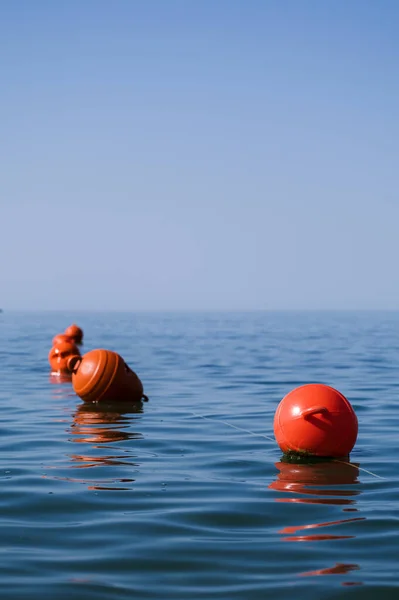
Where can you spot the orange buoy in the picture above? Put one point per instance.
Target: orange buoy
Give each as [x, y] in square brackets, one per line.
[75, 332]
[60, 354]
[60, 338]
[103, 376]
[317, 420]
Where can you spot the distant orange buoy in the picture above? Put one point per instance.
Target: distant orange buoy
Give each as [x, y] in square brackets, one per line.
[60, 338]
[60, 354]
[317, 420]
[103, 376]
[75, 332]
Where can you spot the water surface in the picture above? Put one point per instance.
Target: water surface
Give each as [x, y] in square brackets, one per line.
[187, 496]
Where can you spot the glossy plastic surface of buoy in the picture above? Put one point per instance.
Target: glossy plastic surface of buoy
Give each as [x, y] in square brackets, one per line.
[60, 338]
[103, 376]
[60, 354]
[75, 332]
[316, 420]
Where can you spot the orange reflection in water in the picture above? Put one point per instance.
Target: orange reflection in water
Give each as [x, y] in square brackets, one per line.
[319, 482]
[101, 427]
[305, 478]
[61, 389]
[312, 538]
[337, 569]
[55, 378]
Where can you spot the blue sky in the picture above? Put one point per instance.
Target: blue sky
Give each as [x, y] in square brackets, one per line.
[213, 154]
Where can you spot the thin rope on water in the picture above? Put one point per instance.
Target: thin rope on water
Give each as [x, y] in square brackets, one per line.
[197, 415]
[233, 426]
[343, 462]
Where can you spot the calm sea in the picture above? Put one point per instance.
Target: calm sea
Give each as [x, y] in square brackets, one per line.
[186, 496]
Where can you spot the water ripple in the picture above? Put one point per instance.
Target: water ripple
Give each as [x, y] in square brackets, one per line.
[188, 496]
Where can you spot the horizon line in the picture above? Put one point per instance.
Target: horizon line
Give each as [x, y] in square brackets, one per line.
[192, 310]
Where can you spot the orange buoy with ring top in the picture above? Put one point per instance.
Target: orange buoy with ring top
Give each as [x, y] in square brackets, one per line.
[316, 420]
[60, 338]
[75, 332]
[60, 354]
[103, 376]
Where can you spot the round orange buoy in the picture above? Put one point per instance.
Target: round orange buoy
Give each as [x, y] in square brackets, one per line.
[103, 376]
[317, 420]
[60, 338]
[60, 354]
[75, 332]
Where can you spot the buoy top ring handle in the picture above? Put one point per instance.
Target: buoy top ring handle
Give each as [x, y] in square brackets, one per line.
[313, 410]
[74, 363]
